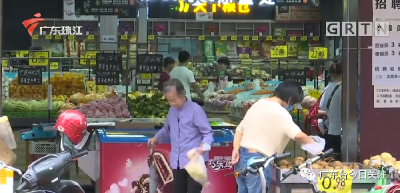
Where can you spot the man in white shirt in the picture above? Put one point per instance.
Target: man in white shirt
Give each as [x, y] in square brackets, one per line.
[185, 76]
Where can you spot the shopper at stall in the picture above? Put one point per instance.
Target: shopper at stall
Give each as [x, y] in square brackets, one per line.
[331, 102]
[223, 64]
[185, 76]
[164, 76]
[266, 129]
[187, 127]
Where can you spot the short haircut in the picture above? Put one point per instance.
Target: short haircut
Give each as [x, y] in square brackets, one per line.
[174, 83]
[225, 61]
[336, 68]
[290, 92]
[183, 56]
[168, 61]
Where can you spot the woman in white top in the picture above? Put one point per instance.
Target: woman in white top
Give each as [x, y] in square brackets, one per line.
[331, 102]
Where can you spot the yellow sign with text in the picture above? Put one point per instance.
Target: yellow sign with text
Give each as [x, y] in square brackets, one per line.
[234, 38]
[146, 76]
[202, 37]
[57, 37]
[38, 58]
[233, 8]
[279, 51]
[315, 53]
[4, 63]
[89, 57]
[335, 181]
[204, 82]
[53, 65]
[223, 38]
[314, 93]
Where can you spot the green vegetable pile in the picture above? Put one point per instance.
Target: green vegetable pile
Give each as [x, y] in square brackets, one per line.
[149, 106]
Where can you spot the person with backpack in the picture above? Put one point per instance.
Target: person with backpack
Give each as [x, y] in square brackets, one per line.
[331, 103]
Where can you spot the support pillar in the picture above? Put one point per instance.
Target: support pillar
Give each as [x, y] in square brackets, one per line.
[350, 60]
[142, 37]
[109, 33]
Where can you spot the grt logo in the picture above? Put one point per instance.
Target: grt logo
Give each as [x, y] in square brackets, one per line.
[358, 28]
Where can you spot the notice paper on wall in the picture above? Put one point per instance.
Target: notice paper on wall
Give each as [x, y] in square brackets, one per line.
[204, 16]
[387, 96]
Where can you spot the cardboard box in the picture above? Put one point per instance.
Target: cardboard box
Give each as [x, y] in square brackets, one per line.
[282, 16]
[314, 16]
[299, 16]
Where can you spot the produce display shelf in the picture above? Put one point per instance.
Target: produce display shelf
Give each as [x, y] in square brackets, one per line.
[218, 114]
[297, 182]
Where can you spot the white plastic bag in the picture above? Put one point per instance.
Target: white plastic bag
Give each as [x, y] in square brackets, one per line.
[210, 89]
[196, 167]
[314, 148]
[256, 83]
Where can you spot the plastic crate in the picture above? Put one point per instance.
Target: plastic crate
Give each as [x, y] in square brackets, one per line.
[38, 149]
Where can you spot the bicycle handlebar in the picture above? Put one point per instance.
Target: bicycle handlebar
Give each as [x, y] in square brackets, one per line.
[282, 156]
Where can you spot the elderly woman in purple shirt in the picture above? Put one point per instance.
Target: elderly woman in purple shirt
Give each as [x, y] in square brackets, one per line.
[187, 126]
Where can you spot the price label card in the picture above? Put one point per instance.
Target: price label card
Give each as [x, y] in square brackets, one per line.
[315, 93]
[279, 38]
[224, 38]
[254, 38]
[57, 37]
[218, 51]
[71, 37]
[124, 37]
[89, 57]
[146, 76]
[315, 38]
[151, 37]
[293, 38]
[204, 82]
[90, 37]
[246, 38]
[53, 65]
[269, 38]
[202, 38]
[304, 38]
[315, 53]
[48, 37]
[335, 181]
[38, 58]
[279, 51]
[22, 54]
[4, 63]
[233, 38]
[35, 37]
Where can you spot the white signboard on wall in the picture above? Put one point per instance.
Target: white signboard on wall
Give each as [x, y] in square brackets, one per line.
[386, 49]
[386, 96]
[69, 12]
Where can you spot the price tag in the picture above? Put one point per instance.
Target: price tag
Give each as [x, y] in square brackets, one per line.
[53, 65]
[35, 37]
[90, 37]
[315, 93]
[151, 37]
[57, 37]
[315, 53]
[124, 37]
[234, 38]
[146, 76]
[274, 66]
[91, 56]
[204, 82]
[269, 38]
[279, 51]
[90, 86]
[38, 58]
[4, 63]
[279, 38]
[202, 37]
[218, 51]
[315, 38]
[246, 38]
[304, 38]
[22, 54]
[335, 181]
[254, 38]
[71, 37]
[293, 38]
[224, 38]
[48, 37]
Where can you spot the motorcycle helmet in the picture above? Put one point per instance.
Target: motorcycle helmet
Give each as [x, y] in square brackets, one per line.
[71, 124]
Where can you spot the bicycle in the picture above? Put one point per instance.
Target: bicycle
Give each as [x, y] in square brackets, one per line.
[256, 165]
[308, 163]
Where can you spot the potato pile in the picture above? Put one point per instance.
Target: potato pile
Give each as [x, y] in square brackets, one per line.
[384, 159]
[285, 164]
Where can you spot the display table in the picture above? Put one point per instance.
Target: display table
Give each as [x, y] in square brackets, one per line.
[218, 114]
[124, 153]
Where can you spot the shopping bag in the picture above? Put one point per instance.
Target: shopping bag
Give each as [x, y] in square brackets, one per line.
[196, 167]
[6, 154]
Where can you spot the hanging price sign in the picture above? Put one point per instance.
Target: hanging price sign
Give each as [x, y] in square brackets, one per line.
[246, 38]
[279, 51]
[233, 38]
[124, 37]
[90, 37]
[38, 58]
[269, 38]
[293, 38]
[254, 38]
[335, 181]
[89, 57]
[57, 37]
[315, 53]
[48, 37]
[202, 37]
[304, 38]
[53, 65]
[35, 37]
[224, 38]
